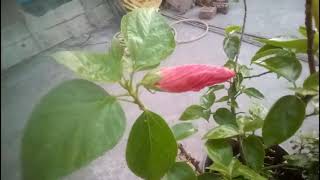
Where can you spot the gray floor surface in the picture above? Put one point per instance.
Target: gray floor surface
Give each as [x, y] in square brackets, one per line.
[23, 85]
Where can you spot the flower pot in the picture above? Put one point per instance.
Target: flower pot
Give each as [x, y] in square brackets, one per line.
[273, 156]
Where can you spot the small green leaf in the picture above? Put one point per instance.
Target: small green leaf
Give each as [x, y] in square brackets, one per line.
[253, 92]
[148, 37]
[253, 152]
[208, 99]
[183, 130]
[151, 148]
[231, 46]
[312, 82]
[224, 116]
[241, 170]
[193, 112]
[221, 132]
[299, 45]
[283, 120]
[303, 31]
[209, 176]
[73, 124]
[244, 70]
[219, 151]
[282, 62]
[216, 87]
[232, 29]
[224, 98]
[180, 171]
[94, 66]
[247, 124]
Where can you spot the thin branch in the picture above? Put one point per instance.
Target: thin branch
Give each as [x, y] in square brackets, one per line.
[243, 28]
[258, 75]
[190, 159]
[310, 35]
[312, 114]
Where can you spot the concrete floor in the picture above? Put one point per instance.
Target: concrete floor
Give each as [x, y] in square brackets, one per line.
[269, 18]
[23, 85]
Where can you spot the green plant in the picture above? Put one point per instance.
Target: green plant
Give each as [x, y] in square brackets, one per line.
[306, 155]
[78, 121]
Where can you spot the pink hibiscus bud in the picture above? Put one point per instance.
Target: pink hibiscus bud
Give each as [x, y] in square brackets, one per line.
[191, 77]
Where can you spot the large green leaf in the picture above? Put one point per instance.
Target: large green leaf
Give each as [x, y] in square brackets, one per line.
[221, 132]
[283, 120]
[224, 116]
[72, 125]
[312, 82]
[94, 66]
[180, 171]
[231, 46]
[219, 151]
[280, 61]
[148, 37]
[183, 130]
[151, 148]
[299, 45]
[193, 112]
[253, 152]
[253, 92]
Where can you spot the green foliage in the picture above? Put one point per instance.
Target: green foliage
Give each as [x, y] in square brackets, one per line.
[151, 148]
[219, 151]
[72, 125]
[222, 132]
[183, 130]
[224, 116]
[312, 82]
[94, 66]
[148, 37]
[253, 152]
[280, 61]
[209, 176]
[253, 92]
[306, 155]
[180, 171]
[249, 123]
[283, 120]
[231, 46]
[298, 45]
[208, 99]
[194, 112]
[232, 29]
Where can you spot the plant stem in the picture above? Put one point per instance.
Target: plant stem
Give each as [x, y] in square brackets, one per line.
[189, 158]
[243, 28]
[133, 93]
[312, 114]
[279, 165]
[310, 36]
[257, 75]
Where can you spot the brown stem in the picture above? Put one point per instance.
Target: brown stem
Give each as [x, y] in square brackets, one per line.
[190, 159]
[310, 35]
[243, 27]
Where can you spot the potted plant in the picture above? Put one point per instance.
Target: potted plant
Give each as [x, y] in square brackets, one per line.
[78, 120]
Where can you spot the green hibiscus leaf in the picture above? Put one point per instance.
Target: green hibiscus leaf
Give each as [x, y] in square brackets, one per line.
[283, 119]
[152, 148]
[148, 37]
[72, 125]
[94, 66]
[180, 171]
[183, 130]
